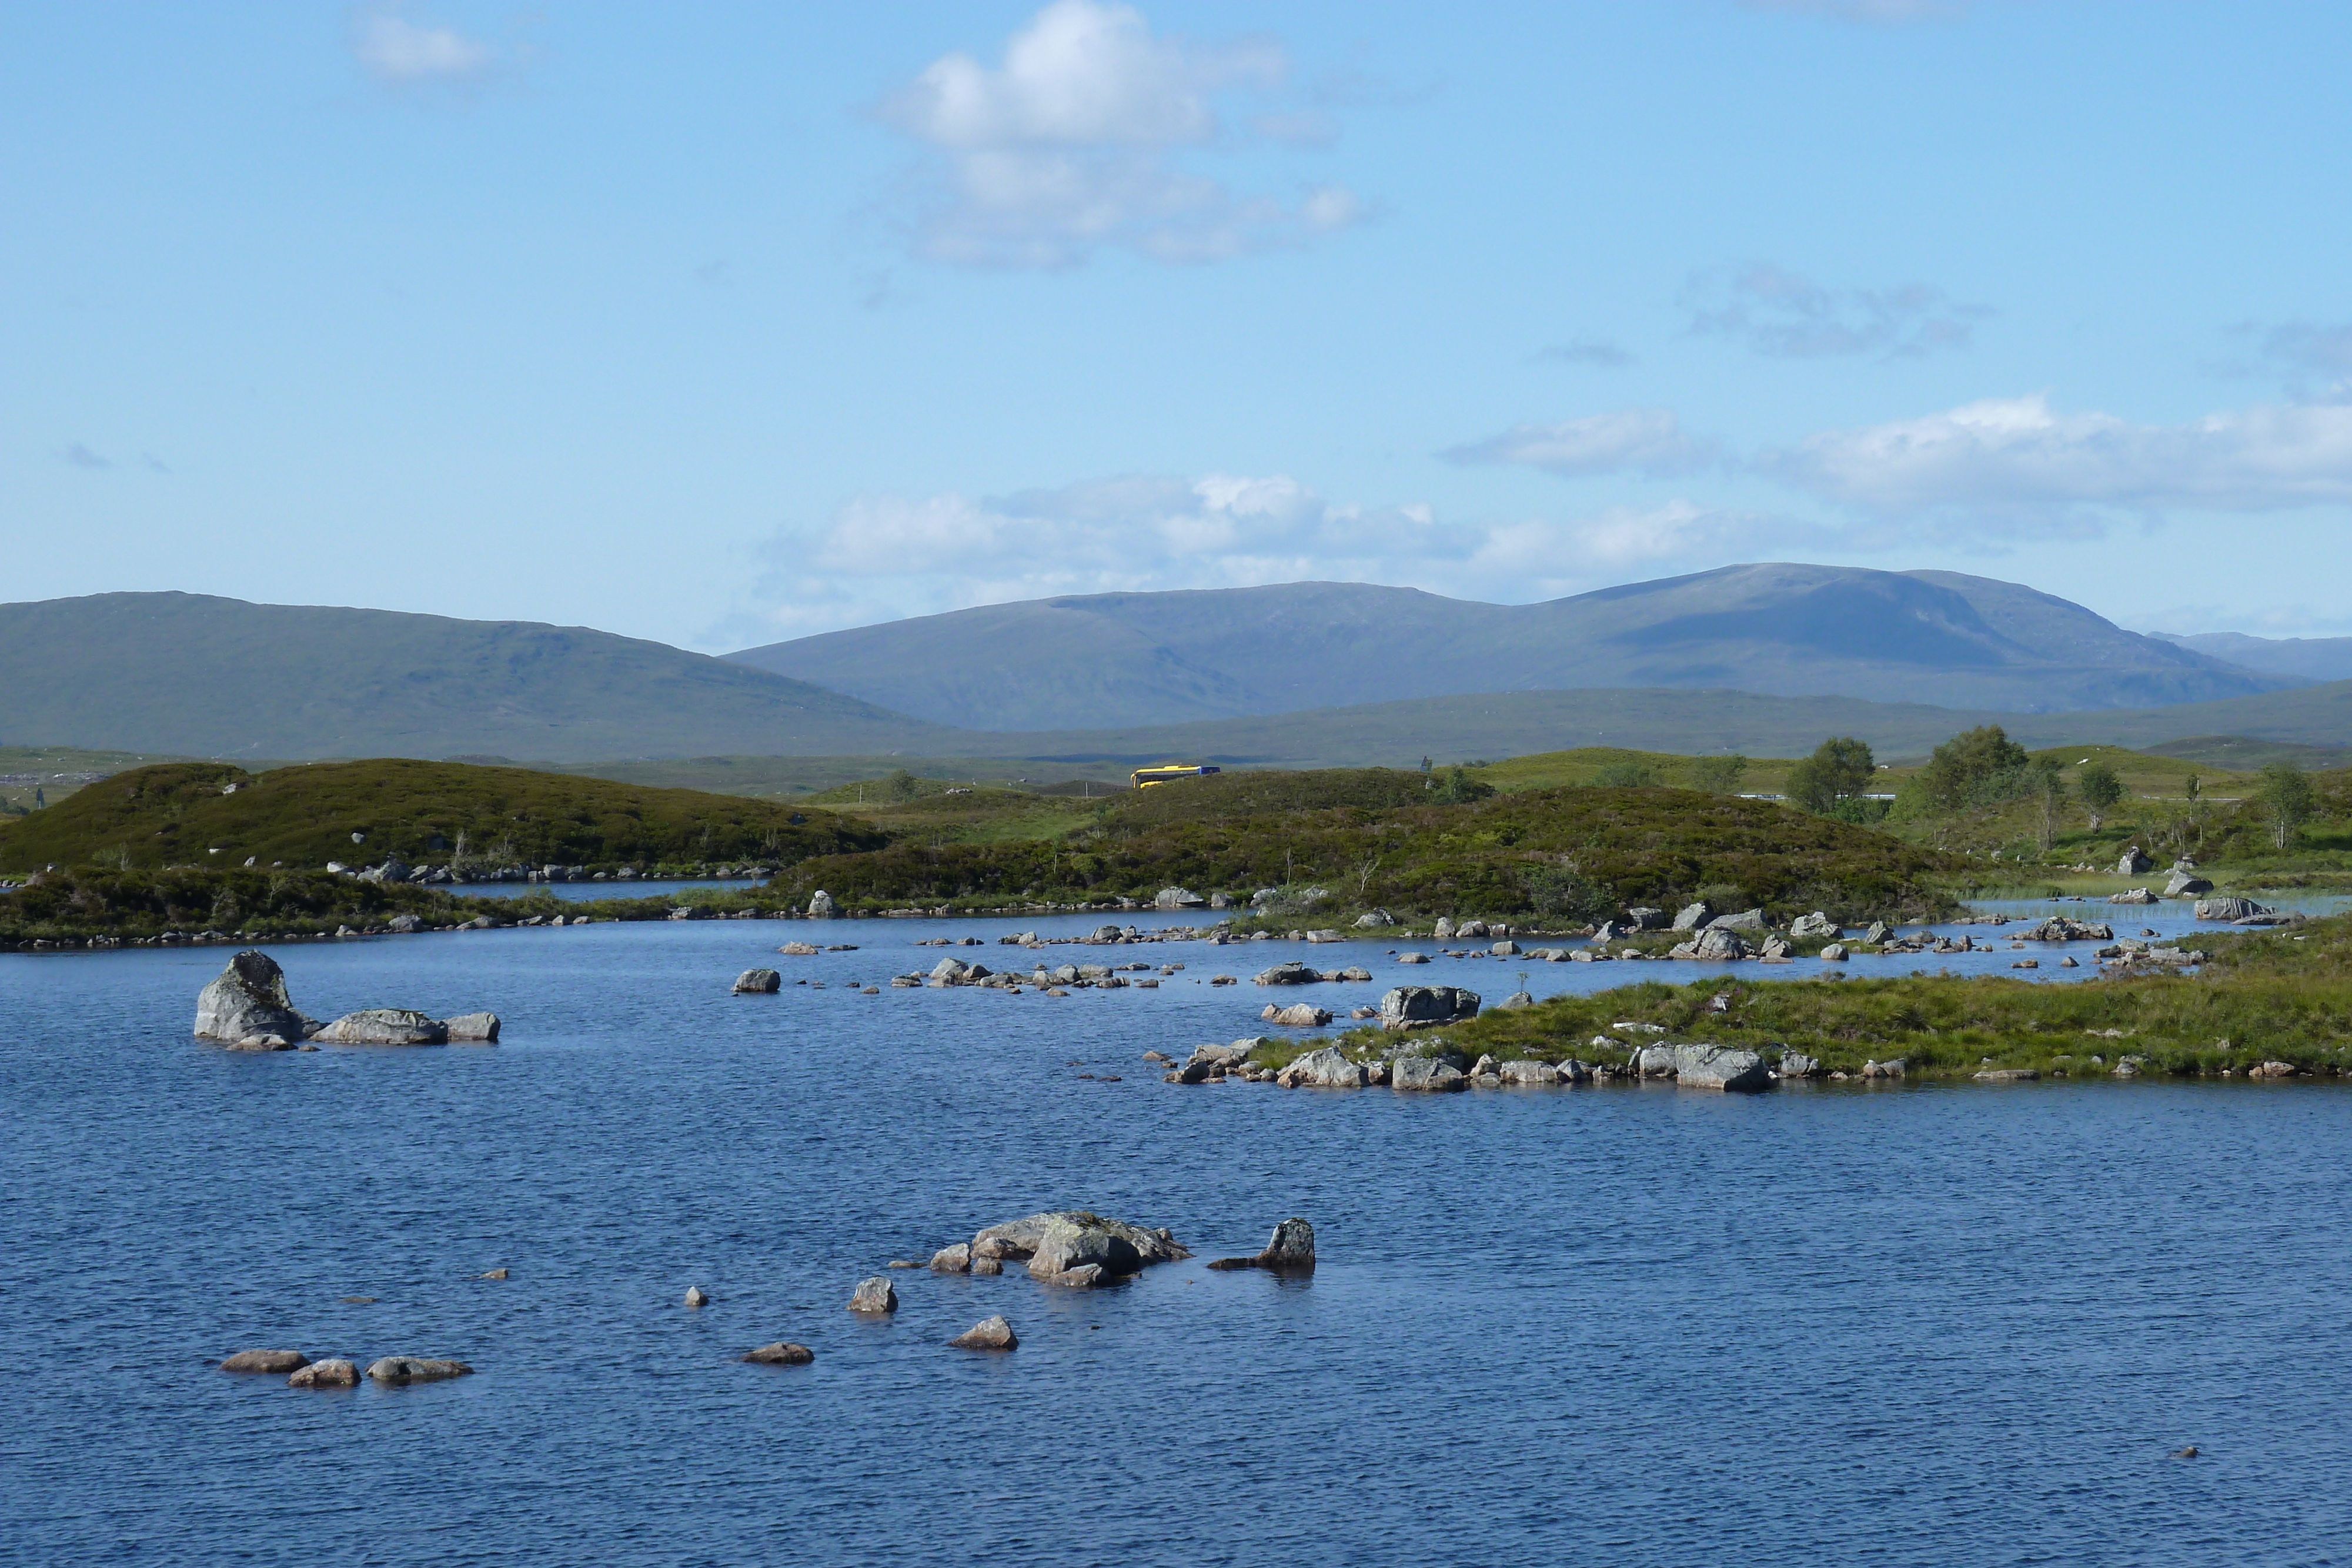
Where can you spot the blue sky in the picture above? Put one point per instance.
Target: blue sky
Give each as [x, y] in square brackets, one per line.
[719, 324]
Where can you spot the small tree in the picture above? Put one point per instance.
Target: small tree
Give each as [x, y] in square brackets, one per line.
[901, 786]
[2049, 790]
[1839, 769]
[1718, 775]
[1961, 765]
[2286, 798]
[2100, 790]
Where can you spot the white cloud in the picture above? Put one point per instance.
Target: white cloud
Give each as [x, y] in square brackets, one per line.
[395, 49]
[1784, 314]
[1642, 439]
[2019, 455]
[886, 555]
[1072, 145]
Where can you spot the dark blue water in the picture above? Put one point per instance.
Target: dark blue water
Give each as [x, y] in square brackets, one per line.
[1923, 1324]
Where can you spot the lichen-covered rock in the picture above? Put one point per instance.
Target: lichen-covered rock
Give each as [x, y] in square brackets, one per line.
[2230, 909]
[1326, 1068]
[758, 983]
[1814, 924]
[1425, 1072]
[385, 1026]
[989, 1334]
[270, 1360]
[874, 1297]
[245, 999]
[332, 1373]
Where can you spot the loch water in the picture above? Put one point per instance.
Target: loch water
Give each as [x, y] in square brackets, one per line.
[1905, 1324]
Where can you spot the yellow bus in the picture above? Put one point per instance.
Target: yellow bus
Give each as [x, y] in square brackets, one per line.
[1145, 777]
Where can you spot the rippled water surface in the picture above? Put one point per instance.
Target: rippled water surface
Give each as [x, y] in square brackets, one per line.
[1919, 1324]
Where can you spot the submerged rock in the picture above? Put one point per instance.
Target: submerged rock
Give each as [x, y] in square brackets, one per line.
[784, 1352]
[385, 1026]
[245, 999]
[989, 1334]
[399, 1370]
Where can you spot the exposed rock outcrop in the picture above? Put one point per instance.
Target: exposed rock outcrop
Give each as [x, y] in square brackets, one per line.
[1721, 1067]
[248, 999]
[2230, 909]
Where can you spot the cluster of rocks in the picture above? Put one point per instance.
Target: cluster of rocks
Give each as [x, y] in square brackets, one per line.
[337, 1371]
[246, 1005]
[1432, 1066]
[1076, 1248]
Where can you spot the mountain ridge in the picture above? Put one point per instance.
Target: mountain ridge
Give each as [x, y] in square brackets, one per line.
[1776, 628]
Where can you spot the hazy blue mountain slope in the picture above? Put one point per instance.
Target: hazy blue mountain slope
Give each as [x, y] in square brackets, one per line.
[187, 673]
[1775, 629]
[2312, 658]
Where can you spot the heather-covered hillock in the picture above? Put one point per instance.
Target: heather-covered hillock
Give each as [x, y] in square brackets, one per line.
[217, 814]
[1570, 854]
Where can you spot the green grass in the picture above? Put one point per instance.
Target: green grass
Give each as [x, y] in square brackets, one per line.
[2264, 996]
[307, 814]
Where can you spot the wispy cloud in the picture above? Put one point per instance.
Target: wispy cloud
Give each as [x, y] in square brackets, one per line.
[1785, 315]
[1605, 352]
[1881, 11]
[2312, 360]
[1075, 145]
[403, 53]
[1638, 440]
[884, 555]
[80, 455]
[2020, 459]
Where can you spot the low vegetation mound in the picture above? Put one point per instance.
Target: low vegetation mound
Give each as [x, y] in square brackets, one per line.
[2283, 996]
[213, 813]
[1258, 792]
[1574, 854]
[88, 901]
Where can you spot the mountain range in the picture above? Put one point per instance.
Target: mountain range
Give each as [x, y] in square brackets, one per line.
[2307, 658]
[1124, 659]
[1762, 659]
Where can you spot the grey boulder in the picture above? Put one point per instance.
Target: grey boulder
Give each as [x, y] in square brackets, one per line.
[989, 1334]
[2230, 909]
[1425, 1072]
[272, 1361]
[332, 1373]
[480, 1027]
[1721, 1067]
[1746, 920]
[758, 983]
[1289, 1250]
[248, 999]
[1424, 1007]
[1694, 915]
[1814, 924]
[784, 1352]
[874, 1297]
[1019, 1238]
[1291, 974]
[954, 1259]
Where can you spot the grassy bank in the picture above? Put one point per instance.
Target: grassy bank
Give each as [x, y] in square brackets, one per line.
[1378, 837]
[2283, 996]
